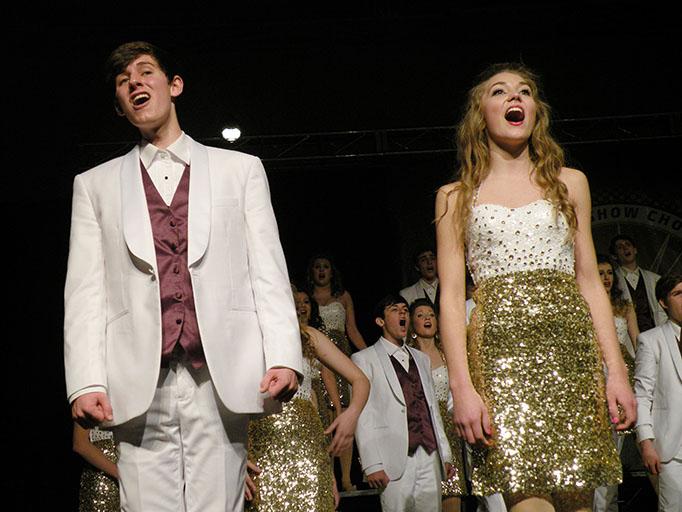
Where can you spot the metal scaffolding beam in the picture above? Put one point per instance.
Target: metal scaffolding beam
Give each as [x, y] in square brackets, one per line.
[354, 144]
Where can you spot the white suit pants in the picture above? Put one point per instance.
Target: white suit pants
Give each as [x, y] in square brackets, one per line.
[187, 453]
[419, 489]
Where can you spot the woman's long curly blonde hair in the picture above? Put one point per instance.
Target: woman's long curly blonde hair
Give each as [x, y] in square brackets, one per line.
[474, 158]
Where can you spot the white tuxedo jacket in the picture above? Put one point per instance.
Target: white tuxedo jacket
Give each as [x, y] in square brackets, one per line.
[245, 311]
[413, 292]
[381, 434]
[650, 279]
[658, 388]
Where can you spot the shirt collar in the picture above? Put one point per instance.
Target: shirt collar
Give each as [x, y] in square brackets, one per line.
[433, 285]
[627, 271]
[179, 151]
[392, 348]
[676, 329]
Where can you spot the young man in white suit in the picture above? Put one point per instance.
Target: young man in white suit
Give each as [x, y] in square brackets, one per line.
[179, 320]
[400, 435]
[427, 285]
[638, 284]
[658, 388]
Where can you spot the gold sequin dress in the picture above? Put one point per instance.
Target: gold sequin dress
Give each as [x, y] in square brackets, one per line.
[98, 491]
[455, 485]
[334, 317]
[534, 358]
[291, 450]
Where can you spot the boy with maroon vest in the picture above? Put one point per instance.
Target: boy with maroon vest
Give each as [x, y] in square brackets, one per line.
[179, 321]
[400, 435]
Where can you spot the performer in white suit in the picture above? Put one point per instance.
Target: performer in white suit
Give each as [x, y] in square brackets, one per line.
[658, 388]
[400, 435]
[638, 284]
[179, 321]
[427, 285]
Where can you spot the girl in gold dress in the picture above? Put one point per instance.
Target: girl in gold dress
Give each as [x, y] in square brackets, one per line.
[528, 385]
[338, 314]
[99, 477]
[423, 335]
[290, 449]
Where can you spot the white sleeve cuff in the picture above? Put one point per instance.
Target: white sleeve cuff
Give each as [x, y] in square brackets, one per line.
[85, 391]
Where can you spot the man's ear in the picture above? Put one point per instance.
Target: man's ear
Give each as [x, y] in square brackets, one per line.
[380, 322]
[118, 110]
[176, 86]
[663, 305]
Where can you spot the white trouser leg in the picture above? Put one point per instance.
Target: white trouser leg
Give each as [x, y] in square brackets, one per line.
[418, 490]
[670, 486]
[187, 453]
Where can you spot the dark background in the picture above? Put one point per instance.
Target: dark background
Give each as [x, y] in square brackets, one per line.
[276, 69]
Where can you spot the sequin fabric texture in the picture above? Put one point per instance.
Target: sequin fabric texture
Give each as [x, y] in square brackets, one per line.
[455, 485]
[98, 491]
[291, 450]
[534, 358]
[334, 317]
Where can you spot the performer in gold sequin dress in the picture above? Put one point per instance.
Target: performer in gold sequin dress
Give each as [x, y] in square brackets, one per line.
[625, 319]
[528, 384]
[423, 336]
[99, 477]
[290, 448]
[338, 314]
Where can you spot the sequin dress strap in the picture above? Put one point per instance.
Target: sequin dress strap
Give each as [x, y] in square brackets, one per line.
[474, 199]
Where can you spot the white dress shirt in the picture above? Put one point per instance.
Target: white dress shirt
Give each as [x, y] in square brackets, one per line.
[165, 166]
[400, 353]
[631, 276]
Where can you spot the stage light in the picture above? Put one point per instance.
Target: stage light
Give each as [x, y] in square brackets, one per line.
[231, 134]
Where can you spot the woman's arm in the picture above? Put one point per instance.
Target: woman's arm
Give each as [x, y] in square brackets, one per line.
[633, 328]
[618, 390]
[351, 327]
[329, 381]
[93, 455]
[344, 424]
[470, 415]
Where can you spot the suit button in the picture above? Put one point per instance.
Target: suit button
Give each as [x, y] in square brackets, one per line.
[402, 409]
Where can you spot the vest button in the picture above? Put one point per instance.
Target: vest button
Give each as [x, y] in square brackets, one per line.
[176, 269]
[172, 223]
[178, 295]
[178, 321]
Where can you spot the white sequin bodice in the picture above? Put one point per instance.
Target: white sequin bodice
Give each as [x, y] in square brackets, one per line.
[440, 383]
[95, 434]
[310, 371]
[623, 335]
[334, 316]
[502, 240]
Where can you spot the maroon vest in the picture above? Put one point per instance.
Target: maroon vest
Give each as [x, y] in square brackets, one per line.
[419, 425]
[169, 228]
[645, 320]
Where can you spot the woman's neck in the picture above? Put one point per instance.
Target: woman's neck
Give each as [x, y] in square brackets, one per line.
[425, 344]
[509, 159]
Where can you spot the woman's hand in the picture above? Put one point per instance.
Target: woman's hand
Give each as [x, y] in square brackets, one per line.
[621, 401]
[249, 485]
[344, 430]
[471, 418]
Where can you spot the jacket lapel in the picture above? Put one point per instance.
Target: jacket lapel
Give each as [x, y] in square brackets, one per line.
[137, 227]
[199, 223]
[389, 371]
[424, 378]
[671, 342]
